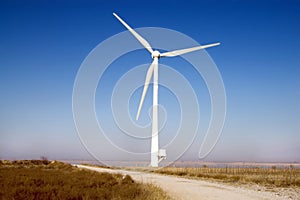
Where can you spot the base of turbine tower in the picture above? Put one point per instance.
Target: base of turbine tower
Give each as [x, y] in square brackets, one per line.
[157, 157]
[162, 155]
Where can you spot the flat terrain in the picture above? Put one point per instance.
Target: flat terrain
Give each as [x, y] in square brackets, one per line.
[183, 188]
[42, 179]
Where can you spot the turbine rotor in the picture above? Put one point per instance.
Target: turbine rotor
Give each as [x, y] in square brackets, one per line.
[155, 54]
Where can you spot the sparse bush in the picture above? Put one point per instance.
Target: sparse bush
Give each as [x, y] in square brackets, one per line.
[127, 179]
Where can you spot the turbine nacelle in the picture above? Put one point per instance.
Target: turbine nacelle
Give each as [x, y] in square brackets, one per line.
[155, 54]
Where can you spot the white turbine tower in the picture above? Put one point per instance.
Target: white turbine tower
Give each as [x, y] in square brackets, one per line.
[156, 154]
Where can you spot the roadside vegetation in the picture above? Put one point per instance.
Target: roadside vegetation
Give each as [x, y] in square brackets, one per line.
[43, 179]
[279, 177]
[266, 176]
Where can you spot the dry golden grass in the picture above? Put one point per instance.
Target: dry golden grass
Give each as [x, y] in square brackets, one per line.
[280, 177]
[35, 179]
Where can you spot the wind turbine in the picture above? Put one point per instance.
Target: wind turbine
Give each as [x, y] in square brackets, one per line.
[156, 154]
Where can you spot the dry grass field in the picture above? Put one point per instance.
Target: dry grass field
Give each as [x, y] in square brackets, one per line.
[266, 175]
[42, 179]
[279, 177]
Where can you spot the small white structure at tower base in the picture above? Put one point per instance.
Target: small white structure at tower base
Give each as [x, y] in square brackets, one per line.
[162, 155]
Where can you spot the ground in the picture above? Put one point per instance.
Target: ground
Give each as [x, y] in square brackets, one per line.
[183, 188]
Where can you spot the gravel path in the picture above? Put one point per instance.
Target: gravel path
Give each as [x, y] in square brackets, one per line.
[182, 188]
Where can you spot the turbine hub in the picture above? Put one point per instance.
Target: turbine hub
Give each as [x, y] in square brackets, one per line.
[155, 54]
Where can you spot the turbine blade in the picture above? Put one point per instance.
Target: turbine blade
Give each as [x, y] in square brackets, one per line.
[146, 85]
[183, 51]
[135, 34]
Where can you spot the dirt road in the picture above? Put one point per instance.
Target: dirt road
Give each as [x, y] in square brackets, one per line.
[182, 188]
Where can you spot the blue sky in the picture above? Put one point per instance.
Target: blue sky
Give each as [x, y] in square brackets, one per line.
[43, 43]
